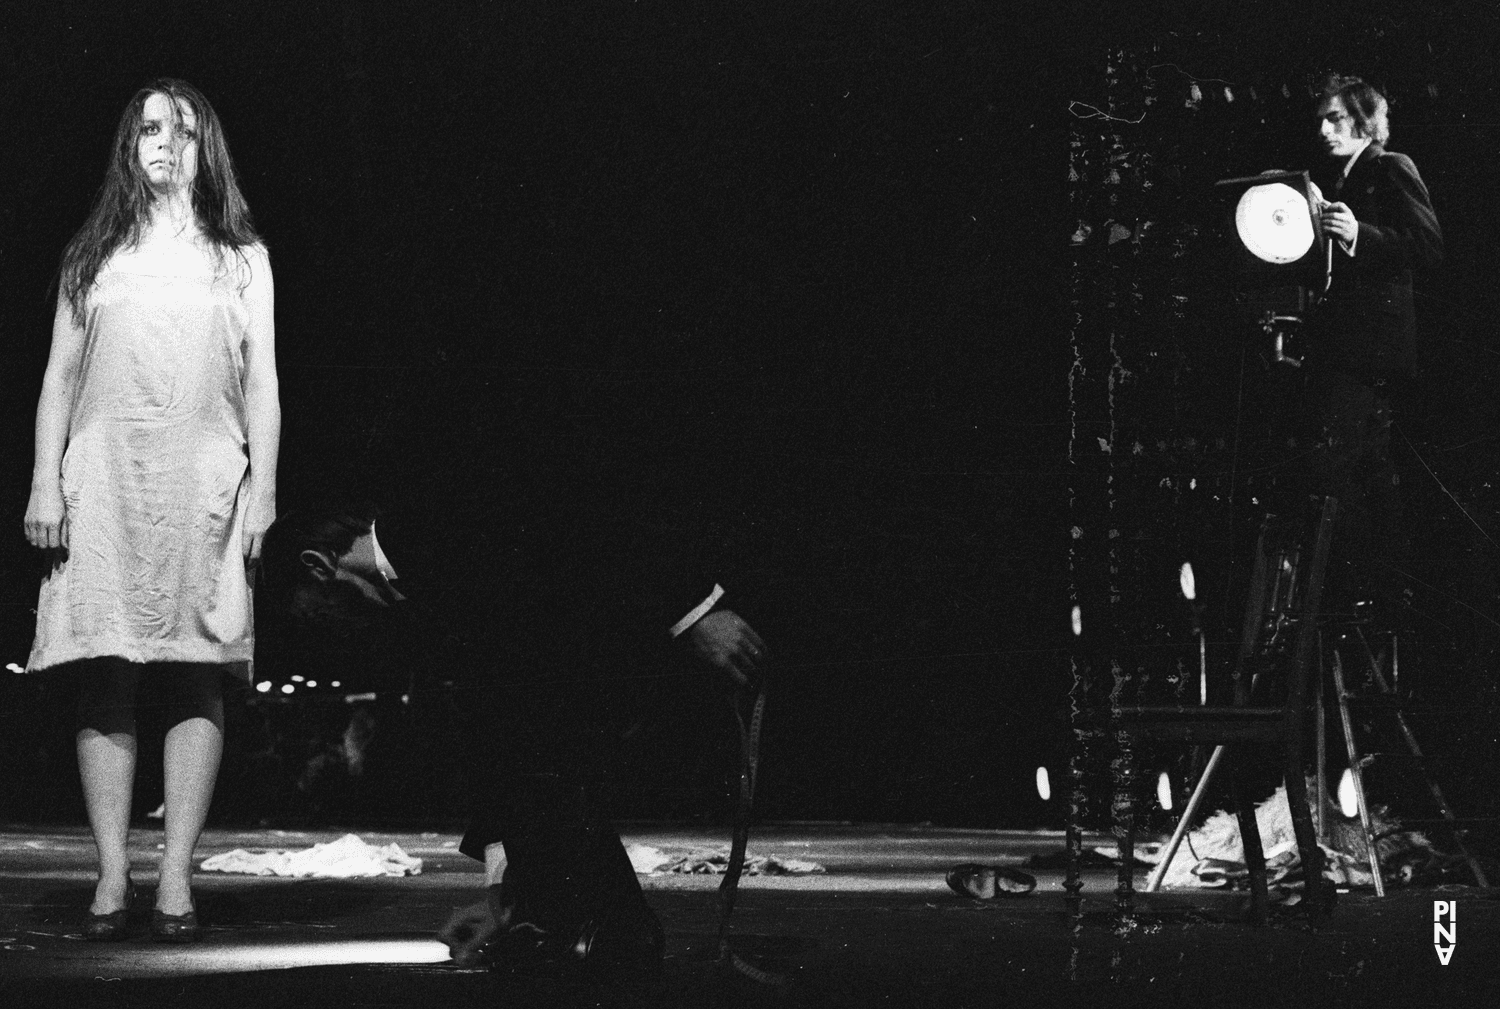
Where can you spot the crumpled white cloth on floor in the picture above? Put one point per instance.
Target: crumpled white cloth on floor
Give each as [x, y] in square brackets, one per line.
[1213, 855]
[347, 858]
[649, 860]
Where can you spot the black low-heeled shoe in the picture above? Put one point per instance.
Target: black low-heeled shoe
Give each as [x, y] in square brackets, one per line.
[989, 882]
[110, 927]
[181, 928]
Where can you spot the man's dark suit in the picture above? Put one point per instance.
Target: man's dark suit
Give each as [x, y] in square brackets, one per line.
[602, 555]
[1362, 353]
[1366, 327]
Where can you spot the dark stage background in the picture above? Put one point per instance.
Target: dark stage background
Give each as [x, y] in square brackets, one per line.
[815, 253]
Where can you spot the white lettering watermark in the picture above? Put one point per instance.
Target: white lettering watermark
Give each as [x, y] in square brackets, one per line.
[1444, 929]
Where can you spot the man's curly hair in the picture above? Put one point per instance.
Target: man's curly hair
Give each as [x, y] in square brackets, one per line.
[1365, 104]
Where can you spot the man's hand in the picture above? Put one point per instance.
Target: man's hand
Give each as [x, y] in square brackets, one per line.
[725, 641]
[467, 932]
[1338, 221]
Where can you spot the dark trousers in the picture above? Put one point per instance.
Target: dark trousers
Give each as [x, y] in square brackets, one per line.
[1346, 426]
[540, 795]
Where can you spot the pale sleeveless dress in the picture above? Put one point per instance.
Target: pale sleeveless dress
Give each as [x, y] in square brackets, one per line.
[156, 471]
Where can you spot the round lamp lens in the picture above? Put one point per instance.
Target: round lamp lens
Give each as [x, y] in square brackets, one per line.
[1274, 222]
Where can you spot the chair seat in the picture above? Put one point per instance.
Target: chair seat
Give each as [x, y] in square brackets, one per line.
[1184, 713]
[1208, 726]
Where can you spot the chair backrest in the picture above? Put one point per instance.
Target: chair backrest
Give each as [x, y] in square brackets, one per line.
[1282, 607]
[1311, 603]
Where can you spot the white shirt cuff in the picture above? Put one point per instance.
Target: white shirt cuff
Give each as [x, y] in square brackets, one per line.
[696, 613]
[494, 863]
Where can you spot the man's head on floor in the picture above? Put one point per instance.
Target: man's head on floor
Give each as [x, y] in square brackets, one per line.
[326, 567]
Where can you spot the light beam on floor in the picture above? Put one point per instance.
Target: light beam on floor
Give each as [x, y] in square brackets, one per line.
[365, 949]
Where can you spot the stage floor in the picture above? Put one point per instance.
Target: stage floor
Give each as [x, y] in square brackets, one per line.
[879, 928]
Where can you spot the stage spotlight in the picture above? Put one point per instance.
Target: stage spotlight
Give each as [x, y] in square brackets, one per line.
[1281, 257]
[1282, 264]
[1275, 223]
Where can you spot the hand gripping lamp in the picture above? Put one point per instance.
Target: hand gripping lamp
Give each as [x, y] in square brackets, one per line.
[1281, 261]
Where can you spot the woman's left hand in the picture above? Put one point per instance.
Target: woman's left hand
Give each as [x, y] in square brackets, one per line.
[257, 522]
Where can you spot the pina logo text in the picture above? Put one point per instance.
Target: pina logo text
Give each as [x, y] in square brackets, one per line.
[1445, 929]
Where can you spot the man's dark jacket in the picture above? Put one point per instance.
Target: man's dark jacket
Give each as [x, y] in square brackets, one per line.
[1366, 327]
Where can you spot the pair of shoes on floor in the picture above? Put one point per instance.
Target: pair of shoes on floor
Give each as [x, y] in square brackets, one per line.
[111, 927]
[989, 882]
[178, 928]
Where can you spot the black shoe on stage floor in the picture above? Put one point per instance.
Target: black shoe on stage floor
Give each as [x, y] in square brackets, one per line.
[179, 928]
[110, 927]
[611, 950]
[988, 882]
[623, 947]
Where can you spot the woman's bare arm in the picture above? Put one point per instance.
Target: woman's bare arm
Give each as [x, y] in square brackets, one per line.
[262, 402]
[46, 521]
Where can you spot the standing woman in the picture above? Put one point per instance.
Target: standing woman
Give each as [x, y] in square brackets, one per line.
[155, 477]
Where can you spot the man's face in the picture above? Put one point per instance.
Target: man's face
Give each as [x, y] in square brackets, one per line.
[352, 589]
[1341, 137]
[366, 568]
[168, 144]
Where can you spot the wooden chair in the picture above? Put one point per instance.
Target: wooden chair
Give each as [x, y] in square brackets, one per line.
[1280, 637]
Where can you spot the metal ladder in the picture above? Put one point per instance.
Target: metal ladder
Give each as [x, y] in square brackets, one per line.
[1358, 762]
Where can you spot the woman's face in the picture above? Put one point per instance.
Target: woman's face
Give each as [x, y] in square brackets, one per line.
[168, 145]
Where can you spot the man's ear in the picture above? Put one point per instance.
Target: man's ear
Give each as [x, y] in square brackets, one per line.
[320, 565]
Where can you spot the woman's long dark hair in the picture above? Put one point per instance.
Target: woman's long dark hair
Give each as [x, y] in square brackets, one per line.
[123, 205]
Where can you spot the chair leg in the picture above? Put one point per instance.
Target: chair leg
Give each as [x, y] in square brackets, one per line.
[1320, 730]
[1255, 856]
[1356, 764]
[1316, 890]
[1153, 884]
